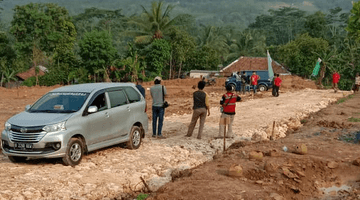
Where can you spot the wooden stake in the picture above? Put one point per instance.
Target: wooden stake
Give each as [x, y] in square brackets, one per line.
[272, 133]
[146, 185]
[224, 137]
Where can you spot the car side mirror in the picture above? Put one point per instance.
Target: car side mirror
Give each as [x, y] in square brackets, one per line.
[27, 107]
[92, 109]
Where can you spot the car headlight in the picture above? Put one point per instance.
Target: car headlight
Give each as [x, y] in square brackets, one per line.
[55, 127]
[7, 126]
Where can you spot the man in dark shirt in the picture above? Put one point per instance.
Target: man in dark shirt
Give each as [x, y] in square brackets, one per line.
[201, 105]
[139, 87]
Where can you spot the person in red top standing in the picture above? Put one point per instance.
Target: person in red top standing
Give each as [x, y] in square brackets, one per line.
[336, 78]
[228, 102]
[277, 83]
[254, 81]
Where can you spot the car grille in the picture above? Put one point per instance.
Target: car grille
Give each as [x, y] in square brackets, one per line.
[26, 134]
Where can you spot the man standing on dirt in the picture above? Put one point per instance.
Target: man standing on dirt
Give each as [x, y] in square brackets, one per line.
[201, 105]
[228, 102]
[357, 82]
[254, 81]
[243, 82]
[277, 83]
[140, 87]
[158, 93]
[336, 78]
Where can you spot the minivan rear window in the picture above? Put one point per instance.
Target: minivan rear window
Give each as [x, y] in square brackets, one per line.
[132, 94]
[117, 98]
[60, 102]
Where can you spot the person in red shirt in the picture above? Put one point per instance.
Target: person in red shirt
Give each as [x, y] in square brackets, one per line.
[336, 78]
[254, 81]
[277, 83]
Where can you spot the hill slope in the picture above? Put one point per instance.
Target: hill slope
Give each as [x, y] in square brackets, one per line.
[215, 12]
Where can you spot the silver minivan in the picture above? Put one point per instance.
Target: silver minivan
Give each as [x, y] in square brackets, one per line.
[72, 120]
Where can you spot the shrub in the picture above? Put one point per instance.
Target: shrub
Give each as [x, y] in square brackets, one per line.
[29, 82]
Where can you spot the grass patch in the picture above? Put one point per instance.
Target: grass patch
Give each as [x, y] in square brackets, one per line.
[142, 196]
[342, 100]
[303, 121]
[352, 119]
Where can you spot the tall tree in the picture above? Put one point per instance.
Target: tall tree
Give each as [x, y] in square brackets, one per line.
[157, 56]
[49, 24]
[354, 21]
[96, 50]
[154, 24]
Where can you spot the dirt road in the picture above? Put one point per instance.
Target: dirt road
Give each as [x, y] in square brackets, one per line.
[114, 171]
[329, 169]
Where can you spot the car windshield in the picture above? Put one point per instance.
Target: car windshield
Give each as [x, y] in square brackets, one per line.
[59, 102]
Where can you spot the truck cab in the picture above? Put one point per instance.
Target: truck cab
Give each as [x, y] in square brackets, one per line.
[264, 83]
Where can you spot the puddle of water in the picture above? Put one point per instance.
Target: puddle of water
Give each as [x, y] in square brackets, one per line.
[336, 189]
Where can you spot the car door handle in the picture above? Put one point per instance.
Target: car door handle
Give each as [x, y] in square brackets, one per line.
[128, 108]
[107, 115]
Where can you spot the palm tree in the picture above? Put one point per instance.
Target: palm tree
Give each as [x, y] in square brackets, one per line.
[153, 24]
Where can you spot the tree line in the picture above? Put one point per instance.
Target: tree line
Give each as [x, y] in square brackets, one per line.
[105, 45]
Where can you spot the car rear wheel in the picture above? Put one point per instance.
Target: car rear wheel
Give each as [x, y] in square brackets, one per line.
[233, 87]
[262, 88]
[74, 152]
[17, 159]
[135, 138]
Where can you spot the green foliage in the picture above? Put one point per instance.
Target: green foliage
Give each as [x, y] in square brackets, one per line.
[48, 25]
[315, 24]
[97, 50]
[352, 119]
[354, 21]
[142, 196]
[157, 56]
[30, 82]
[300, 55]
[342, 100]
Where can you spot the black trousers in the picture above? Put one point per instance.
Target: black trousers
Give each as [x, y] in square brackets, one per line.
[275, 91]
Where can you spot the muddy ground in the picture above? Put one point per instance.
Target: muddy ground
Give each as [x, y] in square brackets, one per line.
[329, 169]
[113, 172]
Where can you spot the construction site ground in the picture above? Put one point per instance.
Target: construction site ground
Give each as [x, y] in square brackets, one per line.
[179, 167]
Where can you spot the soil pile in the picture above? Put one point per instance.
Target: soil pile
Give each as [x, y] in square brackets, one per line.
[328, 169]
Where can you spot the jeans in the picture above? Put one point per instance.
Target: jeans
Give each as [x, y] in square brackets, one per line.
[243, 88]
[157, 112]
[254, 87]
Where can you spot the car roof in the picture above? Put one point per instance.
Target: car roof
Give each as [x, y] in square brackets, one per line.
[90, 87]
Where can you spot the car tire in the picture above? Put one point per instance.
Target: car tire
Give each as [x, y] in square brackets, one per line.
[74, 152]
[17, 159]
[262, 88]
[233, 87]
[134, 138]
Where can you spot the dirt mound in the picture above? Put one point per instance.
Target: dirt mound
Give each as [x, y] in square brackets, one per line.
[333, 124]
[296, 82]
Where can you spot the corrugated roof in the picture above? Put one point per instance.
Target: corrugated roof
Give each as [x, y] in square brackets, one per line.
[31, 72]
[253, 63]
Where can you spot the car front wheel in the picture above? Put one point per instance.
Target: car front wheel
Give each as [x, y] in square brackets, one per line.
[74, 152]
[135, 138]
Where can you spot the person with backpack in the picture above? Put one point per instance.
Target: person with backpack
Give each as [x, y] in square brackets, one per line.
[228, 102]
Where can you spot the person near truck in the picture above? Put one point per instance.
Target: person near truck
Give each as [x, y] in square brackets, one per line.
[140, 87]
[336, 78]
[200, 108]
[228, 102]
[254, 81]
[158, 93]
[243, 82]
[277, 83]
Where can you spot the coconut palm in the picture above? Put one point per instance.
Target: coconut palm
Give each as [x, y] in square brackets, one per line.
[153, 24]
